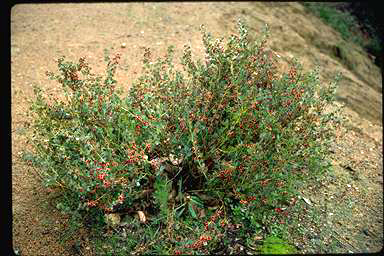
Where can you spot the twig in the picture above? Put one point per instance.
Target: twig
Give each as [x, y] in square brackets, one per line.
[344, 240]
[141, 248]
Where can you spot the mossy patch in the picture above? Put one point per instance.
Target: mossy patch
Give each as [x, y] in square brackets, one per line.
[276, 245]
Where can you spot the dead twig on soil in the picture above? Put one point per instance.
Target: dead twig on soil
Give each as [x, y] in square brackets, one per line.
[351, 245]
[141, 248]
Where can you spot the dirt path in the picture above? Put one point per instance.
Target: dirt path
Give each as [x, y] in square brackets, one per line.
[40, 33]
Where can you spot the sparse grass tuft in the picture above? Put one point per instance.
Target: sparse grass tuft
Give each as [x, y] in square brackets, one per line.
[349, 27]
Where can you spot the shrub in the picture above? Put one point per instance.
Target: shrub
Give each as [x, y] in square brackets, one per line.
[230, 133]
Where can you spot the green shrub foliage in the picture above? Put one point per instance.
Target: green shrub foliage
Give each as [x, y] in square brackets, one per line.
[229, 128]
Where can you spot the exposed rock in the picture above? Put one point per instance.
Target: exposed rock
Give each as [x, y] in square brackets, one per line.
[112, 219]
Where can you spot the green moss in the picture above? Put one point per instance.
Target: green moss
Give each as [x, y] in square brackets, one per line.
[275, 245]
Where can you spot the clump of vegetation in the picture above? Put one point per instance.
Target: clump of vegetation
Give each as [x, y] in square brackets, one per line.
[275, 245]
[361, 32]
[201, 156]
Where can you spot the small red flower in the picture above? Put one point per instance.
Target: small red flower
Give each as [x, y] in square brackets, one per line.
[177, 252]
[278, 210]
[106, 183]
[205, 238]
[225, 175]
[101, 176]
[121, 198]
[243, 201]
[91, 203]
[206, 226]
[231, 134]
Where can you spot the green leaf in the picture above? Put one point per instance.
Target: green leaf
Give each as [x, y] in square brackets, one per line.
[180, 194]
[193, 213]
[179, 213]
[196, 200]
[162, 168]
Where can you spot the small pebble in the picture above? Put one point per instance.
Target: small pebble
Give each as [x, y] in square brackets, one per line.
[123, 45]
[348, 185]
[366, 232]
